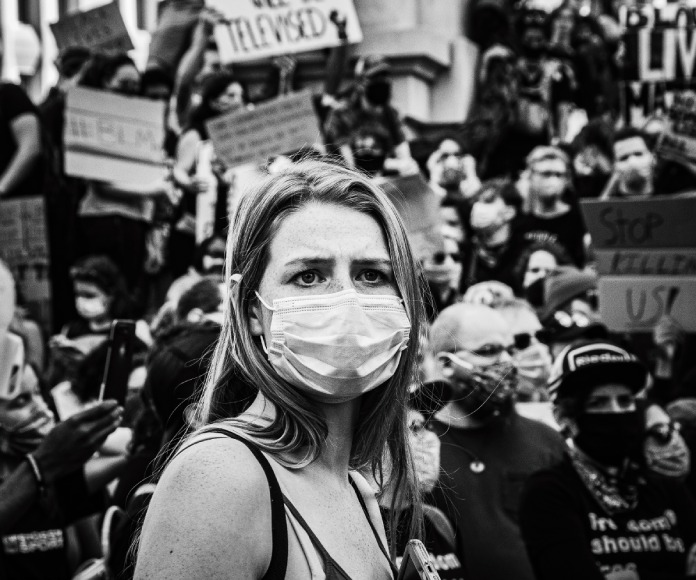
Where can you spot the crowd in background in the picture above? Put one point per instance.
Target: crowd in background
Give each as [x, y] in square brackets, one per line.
[512, 272]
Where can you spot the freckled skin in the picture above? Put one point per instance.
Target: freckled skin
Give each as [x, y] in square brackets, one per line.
[336, 233]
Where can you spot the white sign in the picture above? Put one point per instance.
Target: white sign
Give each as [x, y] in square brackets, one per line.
[112, 137]
[256, 29]
[282, 125]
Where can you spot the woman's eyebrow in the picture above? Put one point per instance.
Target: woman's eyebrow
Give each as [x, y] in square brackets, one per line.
[309, 261]
[384, 262]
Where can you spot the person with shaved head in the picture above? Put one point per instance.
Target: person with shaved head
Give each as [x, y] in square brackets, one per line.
[487, 449]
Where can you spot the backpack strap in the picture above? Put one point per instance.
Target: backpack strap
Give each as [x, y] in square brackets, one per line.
[279, 559]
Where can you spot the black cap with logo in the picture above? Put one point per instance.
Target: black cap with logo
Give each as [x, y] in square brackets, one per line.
[585, 365]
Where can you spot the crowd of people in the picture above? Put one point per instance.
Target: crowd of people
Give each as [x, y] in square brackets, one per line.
[467, 391]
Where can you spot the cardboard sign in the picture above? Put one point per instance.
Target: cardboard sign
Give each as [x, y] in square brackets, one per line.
[100, 28]
[24, 248]
[672, 262]
[283, 125]
[656, 222]
[419, 208]
[112, 137]
[256, 29]
[678, 140]
[635, 304]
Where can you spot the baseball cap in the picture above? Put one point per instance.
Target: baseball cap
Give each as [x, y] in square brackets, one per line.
[562, 285]
[587, 364]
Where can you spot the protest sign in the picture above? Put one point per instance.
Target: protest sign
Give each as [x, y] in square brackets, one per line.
[112, 137]
[646, 259]
[629, 262]
[635, 304]
[100, 28]
[678, 140]
[24, 248]
[656, 222]
[282, 125]
[418, 206]
[659, 56]
[255, 29]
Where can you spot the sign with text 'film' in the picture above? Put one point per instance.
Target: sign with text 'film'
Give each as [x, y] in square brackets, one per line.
[112, 137]
[99, 28]
[256, 29]
[646, 259]
[24, 248]
[283, 125]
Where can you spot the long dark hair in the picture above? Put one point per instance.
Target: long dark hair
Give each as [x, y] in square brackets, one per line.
[213, 86]
[101, 68]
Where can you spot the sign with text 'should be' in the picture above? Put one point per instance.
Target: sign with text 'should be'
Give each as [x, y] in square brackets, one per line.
[112, 137]
[283, 125]
[99, 28]
[255, 29]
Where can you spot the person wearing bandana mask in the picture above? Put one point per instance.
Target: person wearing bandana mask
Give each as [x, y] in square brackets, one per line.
[487, 449]
[600, 513]
[532, 358]
[368, 112]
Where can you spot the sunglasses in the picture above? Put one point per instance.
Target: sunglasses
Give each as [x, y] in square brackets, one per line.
[663, 432]
[440, 257]
[524, 340]
[493, 350]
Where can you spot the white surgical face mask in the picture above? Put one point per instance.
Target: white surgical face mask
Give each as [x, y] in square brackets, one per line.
[335, 347]
[534, 365]
[90, 308]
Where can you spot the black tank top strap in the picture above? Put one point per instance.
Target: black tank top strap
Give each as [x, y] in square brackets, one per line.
[332, 569]
[279, 558]
[394, 570]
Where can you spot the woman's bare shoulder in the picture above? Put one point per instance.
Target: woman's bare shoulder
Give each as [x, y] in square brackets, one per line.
[211, 509]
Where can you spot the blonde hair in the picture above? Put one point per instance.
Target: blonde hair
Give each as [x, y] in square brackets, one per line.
[298, 430]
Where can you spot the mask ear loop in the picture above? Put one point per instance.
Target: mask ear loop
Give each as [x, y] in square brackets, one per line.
[263, 344]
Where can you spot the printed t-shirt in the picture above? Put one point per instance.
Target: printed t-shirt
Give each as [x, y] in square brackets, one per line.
[568, 535]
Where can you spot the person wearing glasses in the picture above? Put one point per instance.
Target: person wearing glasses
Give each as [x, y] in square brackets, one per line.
[487, 449]
[601, 513]
[550, 214]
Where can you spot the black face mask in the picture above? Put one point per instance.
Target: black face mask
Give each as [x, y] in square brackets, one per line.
[371, 163]
[378, 93]
[611, 438]
[591, 185]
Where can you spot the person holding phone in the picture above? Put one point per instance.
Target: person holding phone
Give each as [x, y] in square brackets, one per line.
[322, 322]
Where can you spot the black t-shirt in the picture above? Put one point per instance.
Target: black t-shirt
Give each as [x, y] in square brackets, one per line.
[482, 472]
[567, 230]
[14, 103]
[569, 536]
[36, 547]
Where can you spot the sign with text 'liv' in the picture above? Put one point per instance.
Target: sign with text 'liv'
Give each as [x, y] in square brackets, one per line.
[283, 125]
[112, 137]
[100, 28]
[255, 29]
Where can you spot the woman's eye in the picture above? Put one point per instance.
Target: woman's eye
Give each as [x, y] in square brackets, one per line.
[307, 278]
[373, 276]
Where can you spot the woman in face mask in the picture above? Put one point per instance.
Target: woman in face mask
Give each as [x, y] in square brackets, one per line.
[601, 513]
[101, 296]
[322, 325]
